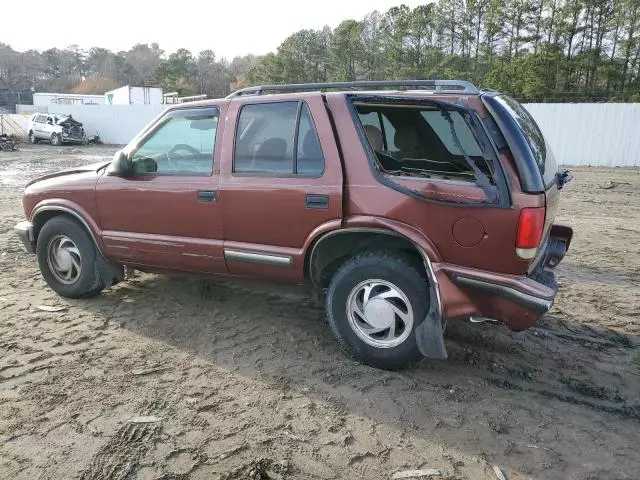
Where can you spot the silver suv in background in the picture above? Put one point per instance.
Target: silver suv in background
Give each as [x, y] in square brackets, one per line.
[55, 129]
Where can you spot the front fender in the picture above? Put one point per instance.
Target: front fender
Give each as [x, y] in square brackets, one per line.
[44, 208]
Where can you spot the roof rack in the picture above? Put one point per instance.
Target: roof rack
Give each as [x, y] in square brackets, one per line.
[439, 86]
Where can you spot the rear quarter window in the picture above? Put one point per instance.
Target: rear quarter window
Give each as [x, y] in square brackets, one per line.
[422, 142]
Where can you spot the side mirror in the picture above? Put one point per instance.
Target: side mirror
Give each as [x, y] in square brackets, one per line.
[120, 165]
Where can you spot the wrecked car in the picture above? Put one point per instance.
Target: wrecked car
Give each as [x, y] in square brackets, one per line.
[407, 204]
[55, 129]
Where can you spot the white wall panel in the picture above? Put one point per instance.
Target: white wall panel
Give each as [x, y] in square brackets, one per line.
[116, 124]
[606, 134]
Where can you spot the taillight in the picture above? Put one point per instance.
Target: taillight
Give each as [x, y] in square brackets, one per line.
[530, 227]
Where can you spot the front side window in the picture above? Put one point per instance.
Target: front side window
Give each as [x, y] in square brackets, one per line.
[182, 145]
[277, 139]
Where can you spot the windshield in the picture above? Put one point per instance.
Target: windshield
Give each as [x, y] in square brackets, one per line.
[537, 143]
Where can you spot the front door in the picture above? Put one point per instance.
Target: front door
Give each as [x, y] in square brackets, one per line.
[165, 213]
[46, 128]
[281, 184]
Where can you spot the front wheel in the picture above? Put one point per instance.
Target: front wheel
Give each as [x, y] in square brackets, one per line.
[56, 140]
[67, 259]
[32, 138]
[374, 303]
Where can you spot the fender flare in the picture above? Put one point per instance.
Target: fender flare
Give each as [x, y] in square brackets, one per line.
[111, 273]
[70, 208]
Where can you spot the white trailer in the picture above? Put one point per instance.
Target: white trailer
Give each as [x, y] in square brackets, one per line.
[129, 95]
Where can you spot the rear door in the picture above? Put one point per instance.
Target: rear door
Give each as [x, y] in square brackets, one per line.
[281, 183]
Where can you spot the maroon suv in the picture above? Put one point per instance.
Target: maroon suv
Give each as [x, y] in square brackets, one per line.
[427, 201]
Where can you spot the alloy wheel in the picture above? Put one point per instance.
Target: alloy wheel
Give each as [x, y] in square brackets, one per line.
[380, 313]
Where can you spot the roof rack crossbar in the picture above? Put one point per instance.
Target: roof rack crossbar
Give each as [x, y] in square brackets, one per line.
[439, 86]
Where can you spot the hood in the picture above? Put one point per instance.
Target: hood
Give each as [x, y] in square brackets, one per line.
[68, 120]
[94, 167]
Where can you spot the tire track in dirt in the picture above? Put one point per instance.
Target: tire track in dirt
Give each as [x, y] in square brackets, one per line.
[252, 383]
[119, 457]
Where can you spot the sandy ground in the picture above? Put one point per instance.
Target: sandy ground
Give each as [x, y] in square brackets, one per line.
[246, 381]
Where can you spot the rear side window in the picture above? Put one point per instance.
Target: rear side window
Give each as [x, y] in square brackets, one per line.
[441, 125]
[537, 143]
[423, 141]
[380, 122]
[277, 139]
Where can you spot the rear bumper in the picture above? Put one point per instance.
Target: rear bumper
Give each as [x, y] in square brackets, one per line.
[24, 230]
[518, 301]
[526, 295]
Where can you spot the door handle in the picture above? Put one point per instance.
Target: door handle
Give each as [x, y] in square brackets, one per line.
[316, 201]
[207, 196]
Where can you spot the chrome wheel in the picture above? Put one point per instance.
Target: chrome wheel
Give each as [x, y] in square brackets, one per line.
[64, 259]
[379, 313]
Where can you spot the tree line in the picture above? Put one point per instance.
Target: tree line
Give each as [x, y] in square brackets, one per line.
[97, 70]
[535, 50]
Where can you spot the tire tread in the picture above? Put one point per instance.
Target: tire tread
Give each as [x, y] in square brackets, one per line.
[398, 261]
[95, 285]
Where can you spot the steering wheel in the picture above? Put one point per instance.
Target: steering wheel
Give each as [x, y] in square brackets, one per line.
[171, 154]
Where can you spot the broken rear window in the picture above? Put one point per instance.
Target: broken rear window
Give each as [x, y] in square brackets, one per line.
[423, 141]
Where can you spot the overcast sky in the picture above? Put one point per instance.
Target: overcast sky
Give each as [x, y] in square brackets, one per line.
[227, 27]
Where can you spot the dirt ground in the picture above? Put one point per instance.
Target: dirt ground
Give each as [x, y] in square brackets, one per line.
[176, 378]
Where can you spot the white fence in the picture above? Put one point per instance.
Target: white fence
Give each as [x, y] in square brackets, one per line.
[606, 134]
[116, 124]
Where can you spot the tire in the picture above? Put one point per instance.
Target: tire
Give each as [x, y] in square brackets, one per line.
[64, 234]
[402, 284]
[32, 138]
[56, 140]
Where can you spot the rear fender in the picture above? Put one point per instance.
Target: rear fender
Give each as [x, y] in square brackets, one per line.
[429, 333]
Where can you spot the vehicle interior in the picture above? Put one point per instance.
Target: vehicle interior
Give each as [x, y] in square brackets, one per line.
[182, 145]
[422, 141]
[277, 139]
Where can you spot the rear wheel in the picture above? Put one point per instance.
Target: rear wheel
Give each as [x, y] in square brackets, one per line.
[67, 259]
[56, 139]
[374, 303]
